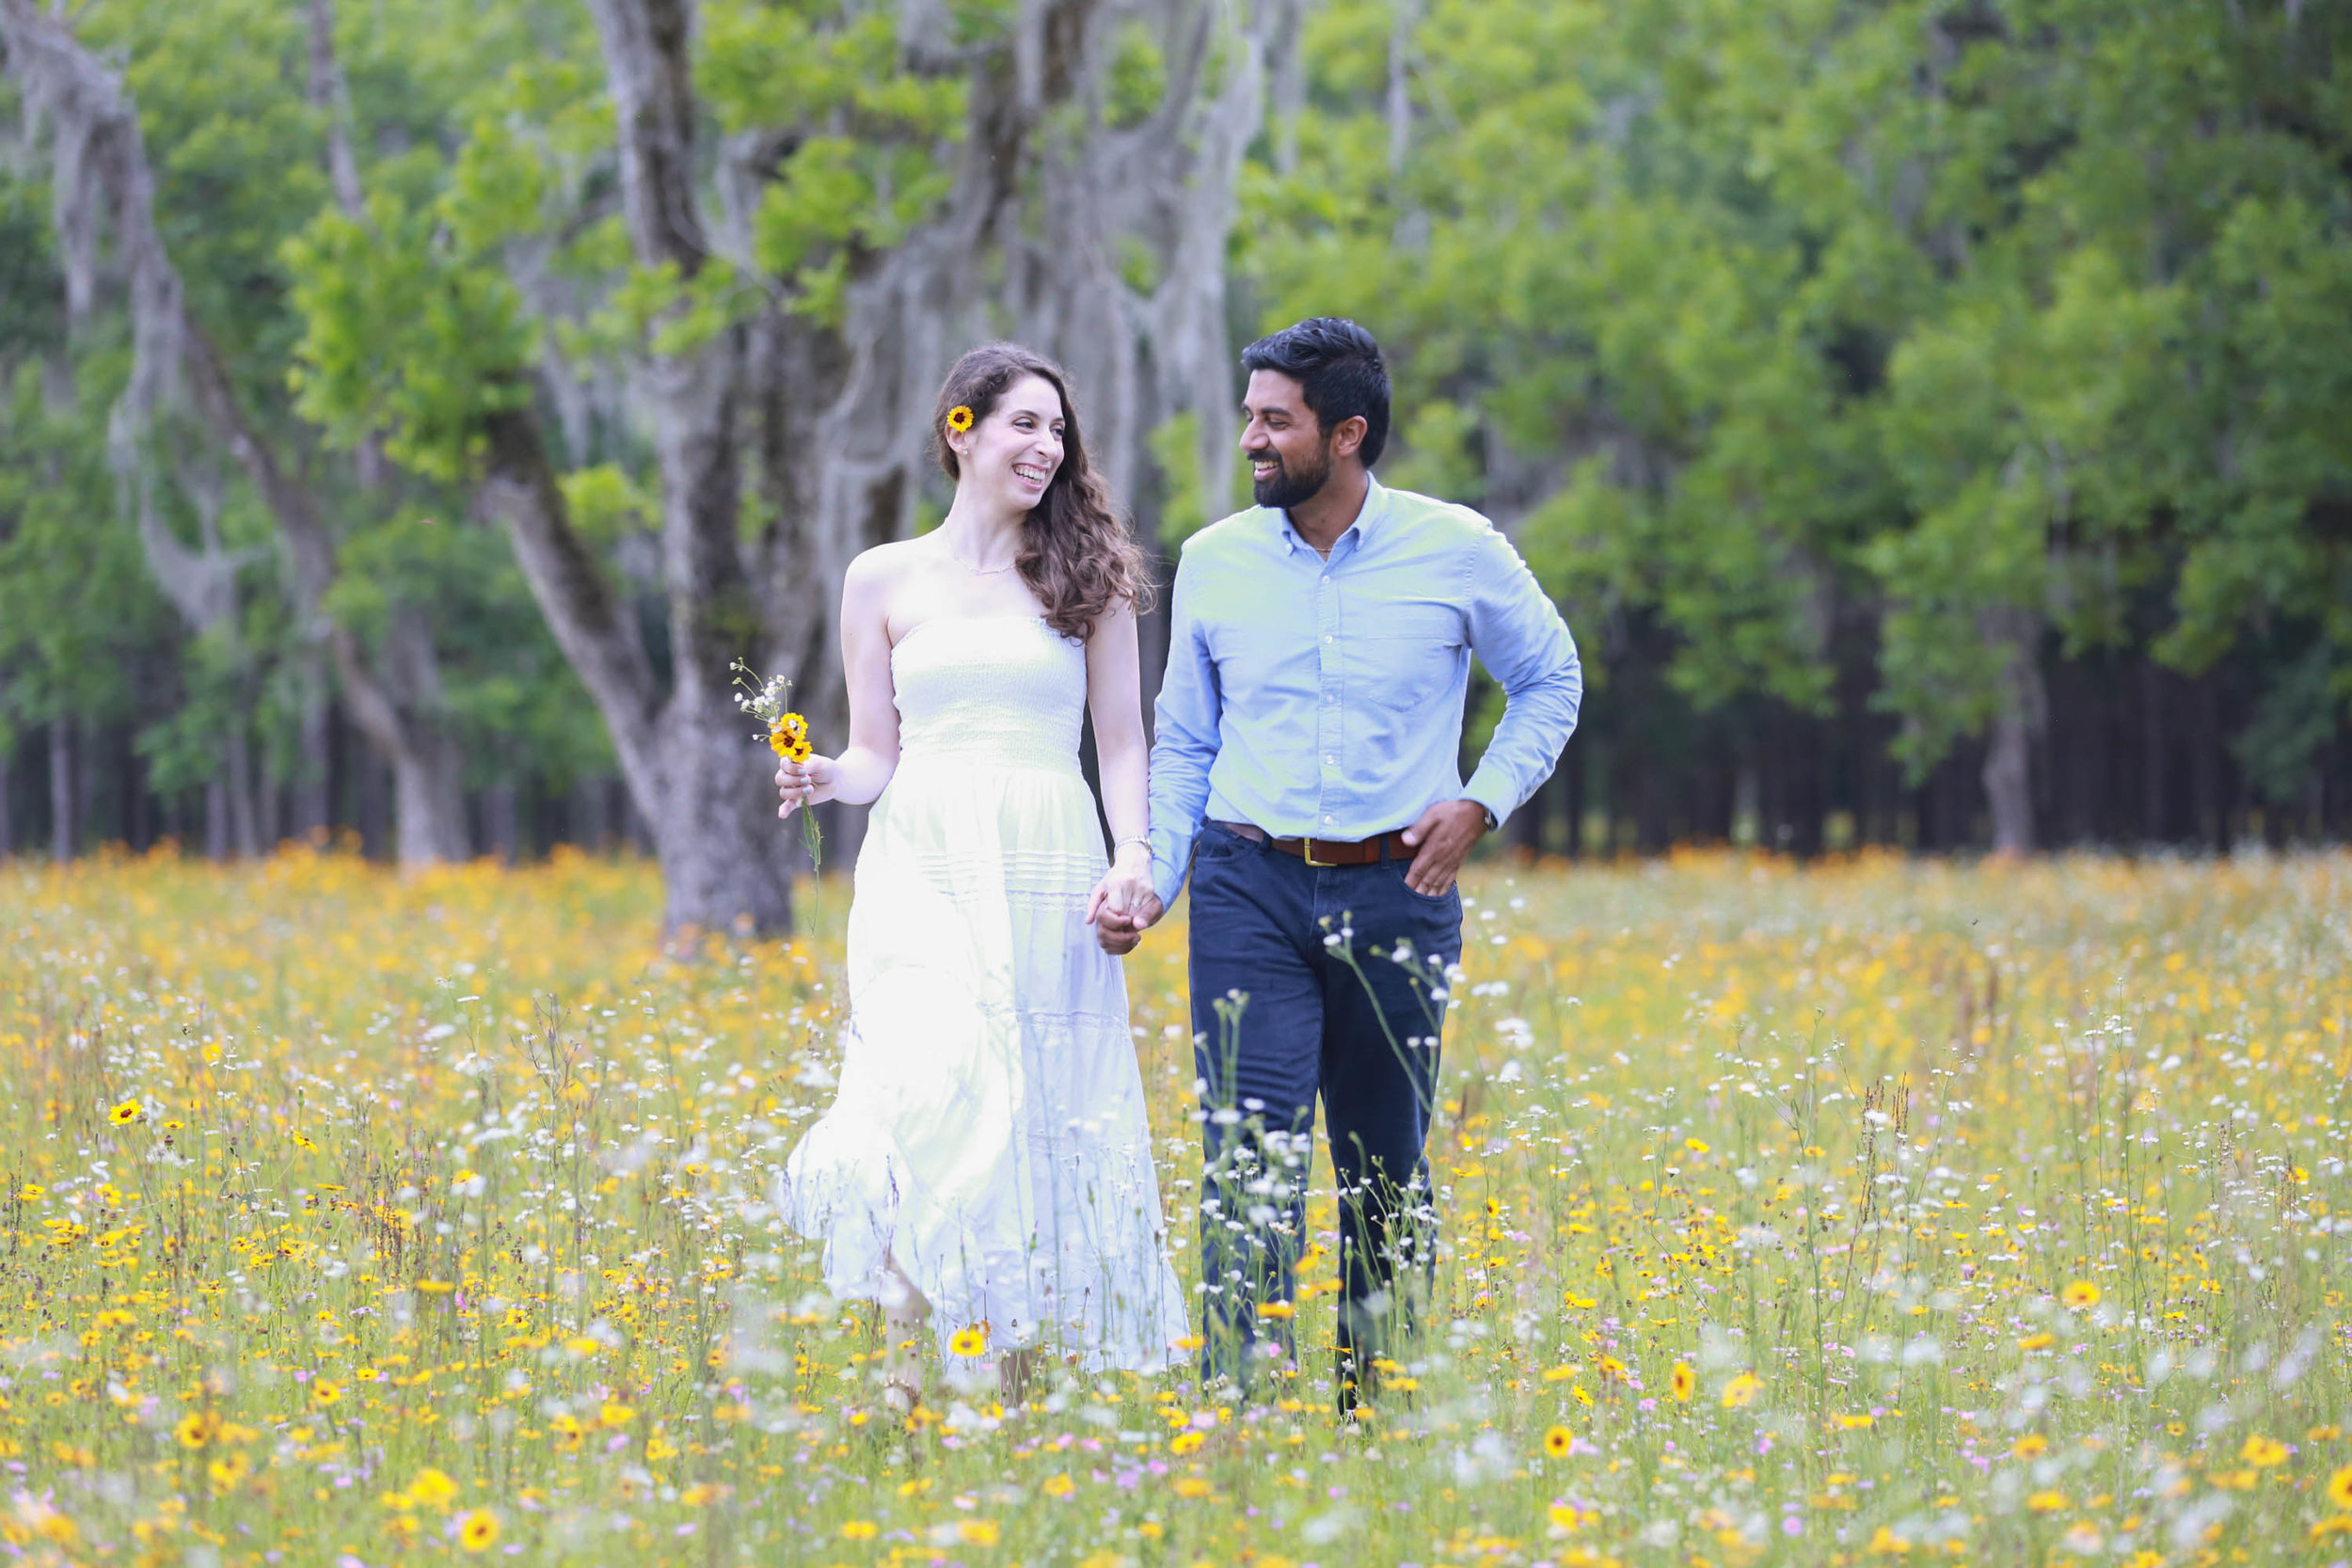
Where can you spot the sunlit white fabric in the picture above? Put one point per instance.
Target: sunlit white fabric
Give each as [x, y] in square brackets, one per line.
[989, 1131]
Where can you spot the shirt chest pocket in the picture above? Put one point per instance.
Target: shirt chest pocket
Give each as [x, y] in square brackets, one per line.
[1399, 657]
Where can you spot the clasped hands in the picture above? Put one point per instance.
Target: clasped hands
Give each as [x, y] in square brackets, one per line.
[1124, 907]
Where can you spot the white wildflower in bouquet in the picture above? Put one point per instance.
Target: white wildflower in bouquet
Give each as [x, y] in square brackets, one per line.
[785, 732]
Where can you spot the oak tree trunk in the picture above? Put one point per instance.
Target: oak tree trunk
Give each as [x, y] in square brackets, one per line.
[2010, 637]
[61, 834]
[824, 422]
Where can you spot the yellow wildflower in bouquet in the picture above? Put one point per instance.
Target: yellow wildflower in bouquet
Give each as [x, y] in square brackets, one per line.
[785, 732]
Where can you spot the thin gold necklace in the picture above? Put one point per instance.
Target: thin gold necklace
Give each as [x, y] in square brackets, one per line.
[981, 571]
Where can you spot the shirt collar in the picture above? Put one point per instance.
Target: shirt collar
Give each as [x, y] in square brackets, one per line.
[1376, 506]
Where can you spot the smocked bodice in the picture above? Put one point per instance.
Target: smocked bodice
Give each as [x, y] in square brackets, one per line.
[989, 690]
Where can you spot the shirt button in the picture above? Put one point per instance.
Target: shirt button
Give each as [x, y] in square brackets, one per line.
[1329, 759]
[1327, 640]
[1327, 821]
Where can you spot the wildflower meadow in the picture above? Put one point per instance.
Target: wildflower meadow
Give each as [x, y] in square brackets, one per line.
[1874, 1211]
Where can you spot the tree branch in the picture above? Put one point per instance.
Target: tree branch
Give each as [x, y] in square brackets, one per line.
[520, 493]
[649, 64]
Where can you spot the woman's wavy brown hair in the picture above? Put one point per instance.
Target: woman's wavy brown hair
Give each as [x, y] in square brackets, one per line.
[1075, 554]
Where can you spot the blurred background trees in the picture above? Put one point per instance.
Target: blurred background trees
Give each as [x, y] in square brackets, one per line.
[1935, 418]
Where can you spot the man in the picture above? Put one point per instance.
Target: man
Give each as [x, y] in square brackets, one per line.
[1305, 773]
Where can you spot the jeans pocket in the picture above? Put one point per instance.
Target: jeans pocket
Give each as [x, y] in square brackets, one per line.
[1214, 842]
[1450, 900]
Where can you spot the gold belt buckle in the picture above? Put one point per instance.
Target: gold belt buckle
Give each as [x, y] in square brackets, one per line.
[1307, 849]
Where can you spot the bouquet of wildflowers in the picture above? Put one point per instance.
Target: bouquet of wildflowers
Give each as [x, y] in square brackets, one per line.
[785, 732]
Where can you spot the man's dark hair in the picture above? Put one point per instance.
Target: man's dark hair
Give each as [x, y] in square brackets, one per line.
[1338, 363]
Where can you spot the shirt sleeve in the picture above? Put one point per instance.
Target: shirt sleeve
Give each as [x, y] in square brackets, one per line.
[1184, 742]
[1518, 634]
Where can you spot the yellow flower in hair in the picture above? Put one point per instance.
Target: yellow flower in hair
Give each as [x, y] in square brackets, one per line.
[959, 418]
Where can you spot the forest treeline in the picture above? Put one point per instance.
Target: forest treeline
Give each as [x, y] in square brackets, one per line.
[1935, 418]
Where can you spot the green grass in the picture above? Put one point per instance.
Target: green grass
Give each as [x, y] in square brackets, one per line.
[1988, 1214]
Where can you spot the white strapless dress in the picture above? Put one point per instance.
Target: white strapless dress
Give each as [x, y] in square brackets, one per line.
[989, 1131]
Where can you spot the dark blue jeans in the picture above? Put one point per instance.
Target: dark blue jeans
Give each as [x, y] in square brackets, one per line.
[1298, 989]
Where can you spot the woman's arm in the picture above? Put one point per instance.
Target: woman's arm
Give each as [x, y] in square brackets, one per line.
[863, 767]
[1115, 699]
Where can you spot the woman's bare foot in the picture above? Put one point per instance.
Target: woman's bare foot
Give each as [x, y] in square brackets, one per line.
[902, 1391]
[1014, 1369]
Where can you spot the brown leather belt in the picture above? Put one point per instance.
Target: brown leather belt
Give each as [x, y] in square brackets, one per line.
[1325, 851]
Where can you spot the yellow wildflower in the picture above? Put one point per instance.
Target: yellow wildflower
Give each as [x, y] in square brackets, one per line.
[2262, 1452]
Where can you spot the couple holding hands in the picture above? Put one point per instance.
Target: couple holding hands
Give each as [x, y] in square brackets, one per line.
[987, 1163]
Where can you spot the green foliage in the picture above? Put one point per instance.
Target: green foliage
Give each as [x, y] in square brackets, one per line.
[79, 618]
[1780, 311]
[1802, 341]
[1139, 77]
[403, 337]
[865, 142]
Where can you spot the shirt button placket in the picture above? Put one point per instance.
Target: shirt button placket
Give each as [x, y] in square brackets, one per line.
[1327, 712]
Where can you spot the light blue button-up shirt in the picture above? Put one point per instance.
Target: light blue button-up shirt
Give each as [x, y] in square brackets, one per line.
[1323, 699]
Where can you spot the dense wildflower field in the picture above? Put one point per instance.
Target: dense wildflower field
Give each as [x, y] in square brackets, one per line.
[1855, 1214]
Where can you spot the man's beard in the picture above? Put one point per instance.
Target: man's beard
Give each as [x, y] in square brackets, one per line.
[1289, 486]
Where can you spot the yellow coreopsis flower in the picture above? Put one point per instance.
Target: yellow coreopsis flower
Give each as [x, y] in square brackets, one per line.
[126, 1113]
[433, 1488]
[2262, 1452]
[479, 1531]
[1742, 1390]
[969, 1342]
[788, 737]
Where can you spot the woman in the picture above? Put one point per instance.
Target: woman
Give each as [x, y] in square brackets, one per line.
[986, 1161]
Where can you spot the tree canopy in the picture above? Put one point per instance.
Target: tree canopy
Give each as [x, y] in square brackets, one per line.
[1935, 418]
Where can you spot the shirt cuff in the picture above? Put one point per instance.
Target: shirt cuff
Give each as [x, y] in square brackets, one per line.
[1493, 794]
[1168, 880]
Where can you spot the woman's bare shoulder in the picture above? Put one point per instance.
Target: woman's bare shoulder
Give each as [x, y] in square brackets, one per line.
[877, 575]
[880, 566]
